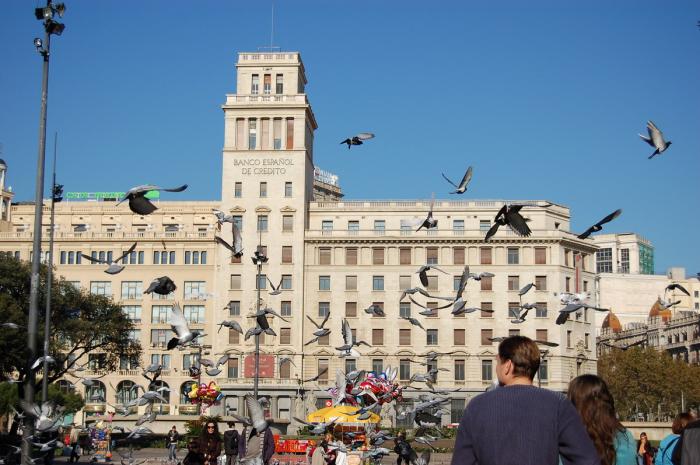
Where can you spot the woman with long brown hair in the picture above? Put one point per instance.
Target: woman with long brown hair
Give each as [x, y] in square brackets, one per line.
[210, 442]
[595, 404]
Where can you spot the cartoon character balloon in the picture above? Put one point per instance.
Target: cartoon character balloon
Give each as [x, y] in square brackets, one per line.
[205, 394]
[379, 388]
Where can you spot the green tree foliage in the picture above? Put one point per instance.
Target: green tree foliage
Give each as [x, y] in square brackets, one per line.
[71, 401]
[80, 323]
[650, 382]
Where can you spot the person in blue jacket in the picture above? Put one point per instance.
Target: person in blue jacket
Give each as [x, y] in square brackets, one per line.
[664, 456]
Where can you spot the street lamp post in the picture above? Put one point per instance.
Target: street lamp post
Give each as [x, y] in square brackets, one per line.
[51, 27]
[258, 259]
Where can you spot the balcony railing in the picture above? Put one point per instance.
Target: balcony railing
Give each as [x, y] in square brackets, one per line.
[266, 98]
[468, 234]
[208, 235]
[423, 204]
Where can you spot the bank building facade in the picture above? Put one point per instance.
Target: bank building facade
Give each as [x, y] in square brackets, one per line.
[330, 255]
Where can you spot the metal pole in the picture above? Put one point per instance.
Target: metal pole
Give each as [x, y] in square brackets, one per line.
[32, 319]
[256, 379]
[49, 274]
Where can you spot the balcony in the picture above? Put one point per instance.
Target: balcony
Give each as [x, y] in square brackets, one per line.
[95, 408]
[233, 99]
[111, 236]
[188, 409]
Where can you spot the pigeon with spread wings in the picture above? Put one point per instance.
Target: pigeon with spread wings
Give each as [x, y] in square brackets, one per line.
[179, 325]
[655, 139]
[599, 225]
[113, 265]
[429, 222]
[358, 139]
[139, 204]
[162, 286]
[509, 215]
[462, 187]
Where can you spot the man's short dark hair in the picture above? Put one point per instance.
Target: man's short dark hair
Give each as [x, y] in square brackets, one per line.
[523, 353]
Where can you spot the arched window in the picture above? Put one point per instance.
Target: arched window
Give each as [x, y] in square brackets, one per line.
[285, 369]
[95, 394]
[126, 392]
[184, 391]
[166, 394]
[65, 386]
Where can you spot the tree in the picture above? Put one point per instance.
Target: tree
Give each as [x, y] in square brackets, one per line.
[81, 323]
[649, 381]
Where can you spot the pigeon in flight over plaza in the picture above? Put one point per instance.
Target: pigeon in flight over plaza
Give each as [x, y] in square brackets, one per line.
[462, 187]
[413, 321]
[375, 310]
[655, 139]
[162, 286]
[483, 274]
[269, 311]
[113, 265]
[40, 361]
[599, 225]
[139, 204]
[236, 247]
[626, 346]
[422, 292]
[522, 313]
[349, 341]
[665, 304]
[423, 270]
[317, 377]
[575, 307]
[509, 215]
[672, 287]
[182, 330]
[222, 218]
[263, 326]
[429, 311]
[275, 290]
[231, 324]
[525, 289]
[212, 367]
[358, 139]
[429, 222]
[320, 328]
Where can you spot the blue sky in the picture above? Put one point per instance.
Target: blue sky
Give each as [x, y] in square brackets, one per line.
[544, 99]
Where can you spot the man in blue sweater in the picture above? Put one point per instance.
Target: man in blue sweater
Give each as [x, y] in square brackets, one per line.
[518, 423]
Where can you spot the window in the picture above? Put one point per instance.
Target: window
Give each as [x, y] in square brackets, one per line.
[134, 258]
[350, 283]
[234, 336]
[132, 312]
[288, 189]
[513, 283]
[485, 256]
[195, 290]
[603, 260]
[404, 370]
[194, 313]
[458, 255]
[377, 337]
[263, 189]
[541, 311]
[459, 337]
[287, 223]
[541, 334]
[324, 283]
[486, 283]
[267, 84]
[487, 370]
[513, 256]
[324, 256]
[379, 226]
[431, 254]
[327, 225]
[568, 338]
[543, 372]
[232, 368]
[238, 189]
[234, 307]
[240, 134]
[624, 261]
[486, 309]
[567, 285]
[457, 410]
[160, 336]
[101, 288]
[431, 337]
[405, 256]
[285, 335]
[459, 370]
[163, 257]
[255, 84]
[324, 308]
[286, 282]
[540, 255]
[458, 225]
[261, 282]
[286, 254]
[286, 308]
[513, 309]
[279, 84]
[350, 309]
[484, 226]
[377, 365]
[405, 337]
[378, 256]
[541, 283]
[262, 223]
[432, 283]
[377, 283]
[486, 335]
[252, 133]
[290, 133]
[405, 309]
[585, 286]
[513, 332]
[67, 258]
[195, 257]
[277, 133]
[353, 227]
[350, 365]
[351, 255]
[132, 290]
[235, 281]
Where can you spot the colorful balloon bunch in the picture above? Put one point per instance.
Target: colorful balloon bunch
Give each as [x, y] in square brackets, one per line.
[205, 394]
[379, 388]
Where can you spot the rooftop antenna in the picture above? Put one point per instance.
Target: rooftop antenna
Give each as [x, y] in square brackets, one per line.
[272, 47]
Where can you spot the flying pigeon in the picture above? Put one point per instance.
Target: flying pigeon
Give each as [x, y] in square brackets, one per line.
[509, 215]
[655, 139]
[39, 361]
[358, 139]
[574, 307]
[674, 286]
[525, 289]
[139, 204]
[483, 274]
[317, 377]
[462, 187]
[275, 290]
[413, 321]
[348, 341]
[162, 286]
[423, 273]
[182, 330]
[599, 225]
[429, 222]
[375, 310]
[231, 324]
[113, 265]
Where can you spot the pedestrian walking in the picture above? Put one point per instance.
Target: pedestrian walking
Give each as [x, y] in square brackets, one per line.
[403, 449]
[231, 438]
[171, 442]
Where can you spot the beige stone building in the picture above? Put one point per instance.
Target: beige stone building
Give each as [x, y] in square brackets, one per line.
[328, 255]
